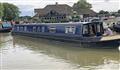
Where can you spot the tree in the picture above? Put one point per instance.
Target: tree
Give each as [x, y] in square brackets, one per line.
[104, 13]
[119, 11]
[25, 18]
[11, 12]
[101, 12]
[1, 11]
[81, 4]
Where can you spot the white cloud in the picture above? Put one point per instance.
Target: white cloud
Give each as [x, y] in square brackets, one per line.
[108, 6]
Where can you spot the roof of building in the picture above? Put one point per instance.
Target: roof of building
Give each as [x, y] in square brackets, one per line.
[60, 8]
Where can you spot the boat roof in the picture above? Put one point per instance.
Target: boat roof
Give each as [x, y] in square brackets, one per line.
[66, 23]
[81, 23]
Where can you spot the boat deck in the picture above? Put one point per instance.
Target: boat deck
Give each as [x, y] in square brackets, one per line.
[112, 37]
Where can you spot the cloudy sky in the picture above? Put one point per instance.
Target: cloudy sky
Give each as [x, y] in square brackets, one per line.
[27, 6]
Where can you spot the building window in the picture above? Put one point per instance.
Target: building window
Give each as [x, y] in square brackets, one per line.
[70, 29]
[52, 29]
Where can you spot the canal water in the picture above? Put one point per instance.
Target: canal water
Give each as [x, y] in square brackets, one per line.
[26, 53]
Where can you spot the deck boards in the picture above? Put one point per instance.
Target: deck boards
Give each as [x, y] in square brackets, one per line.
[113, 37]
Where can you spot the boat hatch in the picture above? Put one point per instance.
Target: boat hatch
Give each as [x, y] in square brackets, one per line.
[93, 29]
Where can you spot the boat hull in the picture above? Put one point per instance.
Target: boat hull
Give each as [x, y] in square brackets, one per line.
[5, 30]
[86, 42]
[107, 44]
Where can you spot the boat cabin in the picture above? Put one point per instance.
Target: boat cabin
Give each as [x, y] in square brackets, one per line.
[85, 29]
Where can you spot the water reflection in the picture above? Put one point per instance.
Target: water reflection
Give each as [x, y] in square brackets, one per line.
[70, 53]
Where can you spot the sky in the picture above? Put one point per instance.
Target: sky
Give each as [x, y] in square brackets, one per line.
[27, 6]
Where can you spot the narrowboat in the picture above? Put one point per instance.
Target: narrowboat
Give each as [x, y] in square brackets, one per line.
[5, 27]
[90, 33]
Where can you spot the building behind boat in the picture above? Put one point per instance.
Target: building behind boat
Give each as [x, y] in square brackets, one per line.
[61, 13]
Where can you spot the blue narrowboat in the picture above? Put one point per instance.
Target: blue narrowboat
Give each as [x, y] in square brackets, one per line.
[90, 33]
[5, 27]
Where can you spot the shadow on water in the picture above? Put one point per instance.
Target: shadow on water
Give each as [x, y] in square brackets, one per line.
[71, 52]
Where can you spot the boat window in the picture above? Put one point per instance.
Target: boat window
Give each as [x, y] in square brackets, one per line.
[21, 28]
[43, 29]
[34, 29]
[38, 29]
[67, 29]
[52, 29]
[70, 29]
[92, 29]
[18, 28]
[98, 28]
[7, 24]
[25, 28]
[85, 29]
